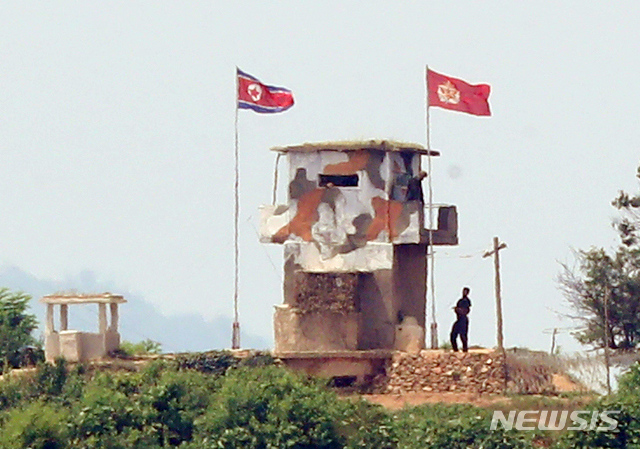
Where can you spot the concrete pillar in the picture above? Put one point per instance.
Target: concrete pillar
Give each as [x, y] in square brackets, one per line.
[114, 316]
[102, 317]
[49, 326]
[64, 317]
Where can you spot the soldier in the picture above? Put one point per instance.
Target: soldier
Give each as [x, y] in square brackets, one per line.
[414, 191]
[461, 326]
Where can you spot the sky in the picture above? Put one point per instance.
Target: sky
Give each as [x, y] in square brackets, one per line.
[117, 138]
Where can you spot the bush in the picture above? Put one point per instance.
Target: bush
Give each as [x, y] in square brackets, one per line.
[258, 358]
[49, 382]
[629, 383]
[269, 406]
[219, 362]
[213, 362]
[154, 408]
[50, 379]
[368, 425]
[442, 426]
[36, 426]
[144, 347]
[14, 390]
[272, 407]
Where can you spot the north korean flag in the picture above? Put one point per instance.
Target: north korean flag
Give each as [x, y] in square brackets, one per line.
[457, 95]
[253, 94]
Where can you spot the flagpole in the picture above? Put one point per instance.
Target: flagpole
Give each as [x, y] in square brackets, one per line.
[235, 332]
[431, 269]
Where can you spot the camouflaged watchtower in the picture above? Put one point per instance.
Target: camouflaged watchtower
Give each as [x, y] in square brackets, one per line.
[355, 245]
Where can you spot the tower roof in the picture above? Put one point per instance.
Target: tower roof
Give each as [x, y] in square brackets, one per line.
[355, 145]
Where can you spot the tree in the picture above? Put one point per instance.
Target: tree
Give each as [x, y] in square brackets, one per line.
[16, 326]
[601, 274]
[617, 275]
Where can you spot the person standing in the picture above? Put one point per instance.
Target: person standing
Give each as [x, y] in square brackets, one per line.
[414, 191]
[461, 326]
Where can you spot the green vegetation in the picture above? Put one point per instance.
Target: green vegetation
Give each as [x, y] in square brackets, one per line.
[16, 326]
[617, 275]
[627, 434]
[143, 347]
[455, 426]
[222, 402]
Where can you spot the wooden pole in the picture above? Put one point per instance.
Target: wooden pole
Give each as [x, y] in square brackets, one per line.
[607, 293]
[496, 262]
[497, 246]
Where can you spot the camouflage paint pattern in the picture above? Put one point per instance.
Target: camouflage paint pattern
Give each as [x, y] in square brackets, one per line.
[333, 222]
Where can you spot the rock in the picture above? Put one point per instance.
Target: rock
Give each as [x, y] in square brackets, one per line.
[430, 371]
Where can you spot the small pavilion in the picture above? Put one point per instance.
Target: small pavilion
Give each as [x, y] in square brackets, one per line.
[78, 346]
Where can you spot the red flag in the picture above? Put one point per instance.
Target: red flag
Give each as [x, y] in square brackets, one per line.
[451, 93]
[254, 95]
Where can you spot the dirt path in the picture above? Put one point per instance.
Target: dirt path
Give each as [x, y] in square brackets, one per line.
[395, 402]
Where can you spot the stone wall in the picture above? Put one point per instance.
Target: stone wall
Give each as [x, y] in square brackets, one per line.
[326, 292]
[441, 371]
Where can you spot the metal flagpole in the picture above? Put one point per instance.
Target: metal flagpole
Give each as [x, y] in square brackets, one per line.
[434, 323]
[275, 179]
[235, 333]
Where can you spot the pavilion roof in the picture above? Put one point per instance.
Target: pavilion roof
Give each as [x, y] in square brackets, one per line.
[83, 298]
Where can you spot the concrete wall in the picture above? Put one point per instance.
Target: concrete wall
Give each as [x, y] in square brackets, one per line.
[384, 297]
[92, 346]
[76, 346]
[70, 346]
[410, 280]
[360, 364]
[379, 307]
[296, 331]
[52, 346]
[111, 340]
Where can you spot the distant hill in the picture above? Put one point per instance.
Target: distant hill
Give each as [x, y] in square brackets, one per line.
[139, 319]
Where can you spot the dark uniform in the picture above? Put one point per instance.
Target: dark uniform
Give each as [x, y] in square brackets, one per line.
[461, 326]
[414, 190]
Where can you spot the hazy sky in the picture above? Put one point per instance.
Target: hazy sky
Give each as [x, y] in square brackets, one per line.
[117, 128]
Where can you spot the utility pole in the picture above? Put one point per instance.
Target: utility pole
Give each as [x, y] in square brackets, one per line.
[607, 338]
[497, 246]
